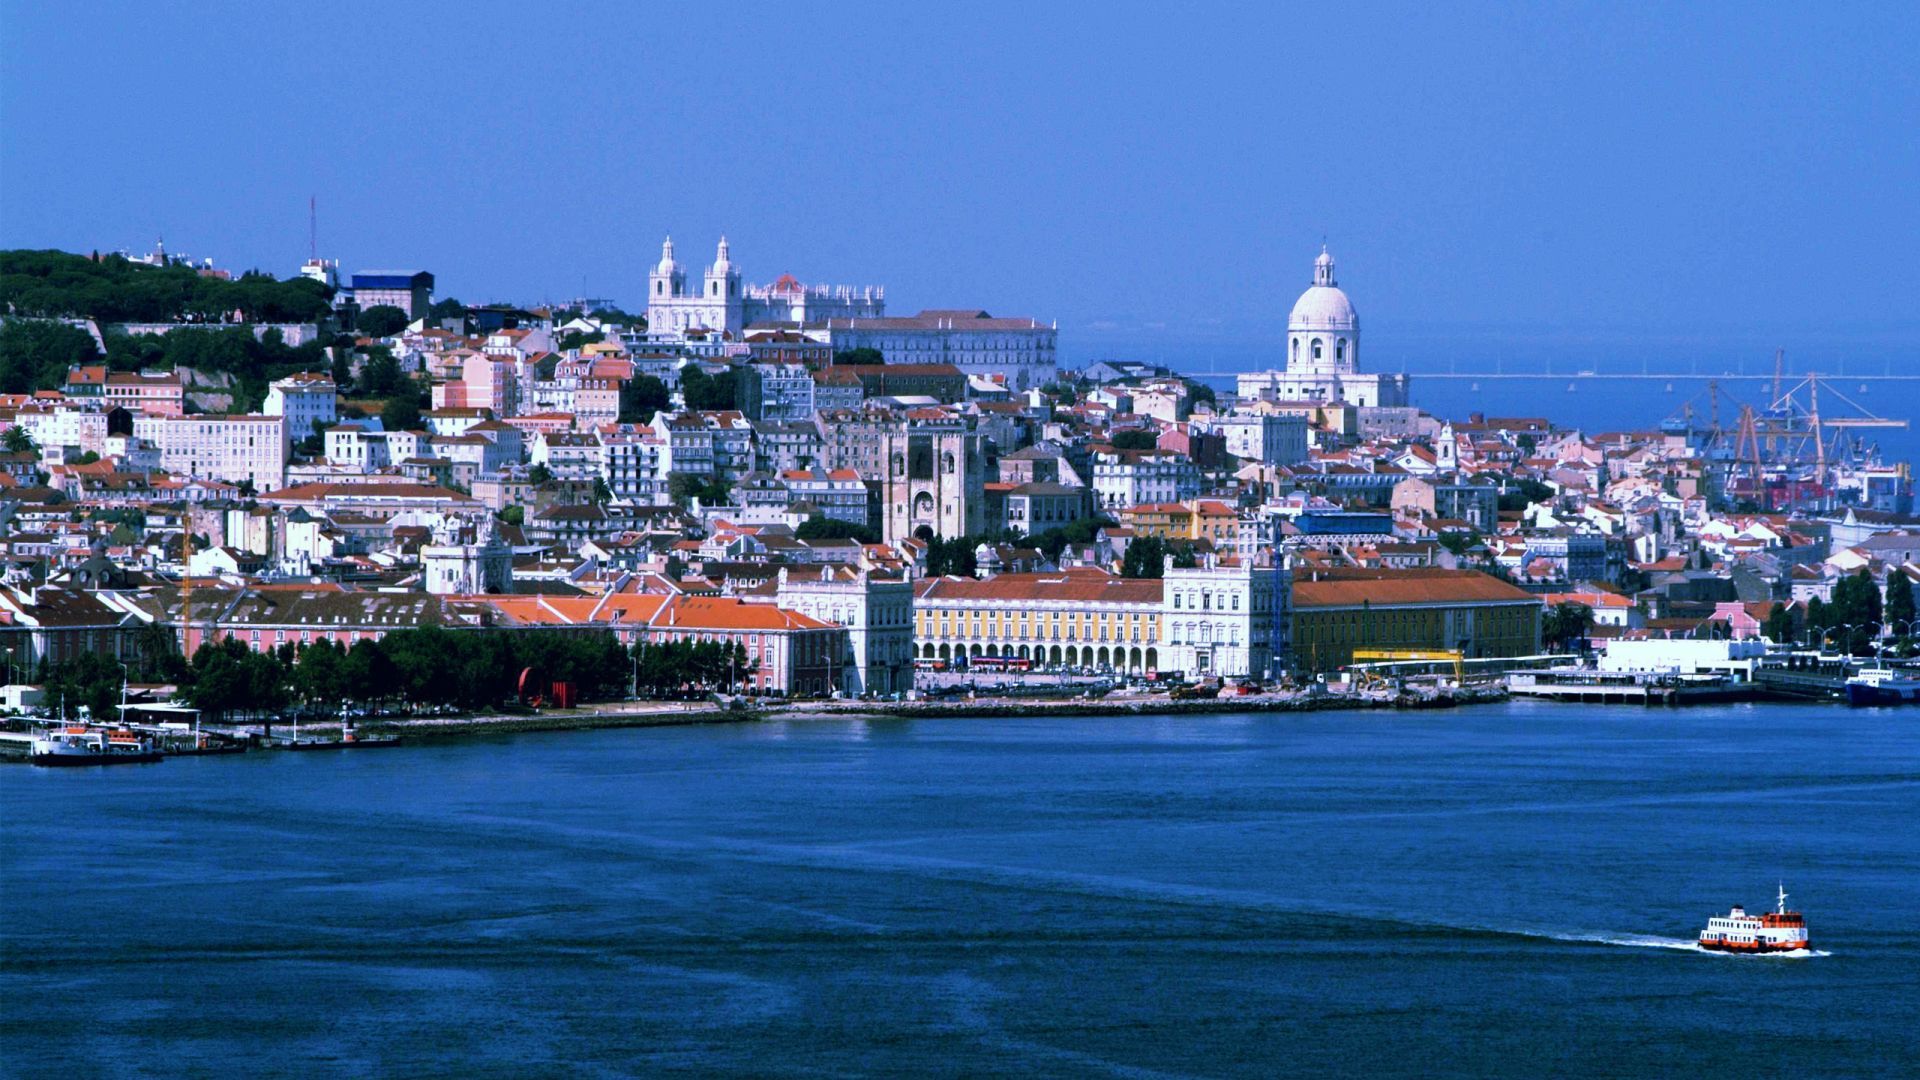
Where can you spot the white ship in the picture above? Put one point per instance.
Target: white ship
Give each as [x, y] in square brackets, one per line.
[90, 746]
[1777, 931]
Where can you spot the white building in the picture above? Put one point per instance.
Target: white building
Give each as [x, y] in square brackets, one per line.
[308, 400]
[364, 448]
[78, 430]
[632, 462]
[467, 558]
[1125, 478]
[567, 455]
[837, 493]
[1222, 617]
[1269, 439]
[1019, 351]
[242, 448]
[877, 611]
[776, 391]
[1323, 353]
[721, 303]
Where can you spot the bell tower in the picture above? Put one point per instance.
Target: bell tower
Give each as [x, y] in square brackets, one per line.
[720, 293]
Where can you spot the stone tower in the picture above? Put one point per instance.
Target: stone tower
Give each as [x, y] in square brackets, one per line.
[934, 482]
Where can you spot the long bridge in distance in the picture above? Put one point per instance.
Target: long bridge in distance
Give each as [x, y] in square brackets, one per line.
[1656, 375]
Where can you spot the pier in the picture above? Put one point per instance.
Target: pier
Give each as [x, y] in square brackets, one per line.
[1627, 688]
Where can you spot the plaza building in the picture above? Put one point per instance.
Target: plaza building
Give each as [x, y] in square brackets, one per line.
[1323, 353]
[1224, 617]
[875, 608]
[1227, 617]
[1337, 611]
[1083, 617]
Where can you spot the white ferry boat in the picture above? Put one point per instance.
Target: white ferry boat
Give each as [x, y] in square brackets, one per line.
[90, 746]
[1777, 931]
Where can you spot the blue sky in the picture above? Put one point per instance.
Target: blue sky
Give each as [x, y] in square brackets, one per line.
[1493, 179]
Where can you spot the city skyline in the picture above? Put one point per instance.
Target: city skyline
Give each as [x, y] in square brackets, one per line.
[1678, 189]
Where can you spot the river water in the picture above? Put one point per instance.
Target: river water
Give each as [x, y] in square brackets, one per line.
[1498, 890]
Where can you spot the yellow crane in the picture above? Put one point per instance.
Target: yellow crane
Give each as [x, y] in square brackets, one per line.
[1361, 656]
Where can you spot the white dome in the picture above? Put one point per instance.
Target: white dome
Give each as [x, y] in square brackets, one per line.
[1323, 307]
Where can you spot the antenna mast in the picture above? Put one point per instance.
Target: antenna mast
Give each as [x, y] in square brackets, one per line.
[313, 241]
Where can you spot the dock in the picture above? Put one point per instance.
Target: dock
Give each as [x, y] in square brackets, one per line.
[1628, 687]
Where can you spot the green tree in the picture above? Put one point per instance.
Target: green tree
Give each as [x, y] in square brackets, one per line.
[320, 674]
[862, 355]
[579, 339]
[709, 392]
[35, 355]
[540, 476]
[56, 284]
[821, 527]
[1054, 541]
[447, 309]
[381, 376]
[1146, 557]
[228, 677]
[1199, 391]
[1524, 492]
[641, 397]
[401, 412]
[18, 441]
[1136, 439]
[1565, 623]
[381, 320]
[1779, 627]
[1899, 605]
[514, 515]
[682, 488]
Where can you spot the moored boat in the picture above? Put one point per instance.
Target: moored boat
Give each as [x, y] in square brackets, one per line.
[1776, 931]
[78, 745]
[1883, 686]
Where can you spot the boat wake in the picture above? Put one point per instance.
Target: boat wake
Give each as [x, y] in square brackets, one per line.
[1649, 941]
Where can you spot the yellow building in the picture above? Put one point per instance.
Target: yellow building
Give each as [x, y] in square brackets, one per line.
[1198, 519]
[1337, 611]
[1083, 617]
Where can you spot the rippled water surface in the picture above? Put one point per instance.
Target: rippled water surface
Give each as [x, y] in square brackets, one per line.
[1493, 891]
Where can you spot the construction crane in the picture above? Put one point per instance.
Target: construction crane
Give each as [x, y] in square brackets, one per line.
[1455, 656]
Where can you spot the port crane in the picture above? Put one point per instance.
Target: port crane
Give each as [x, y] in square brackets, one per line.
[1790, 436]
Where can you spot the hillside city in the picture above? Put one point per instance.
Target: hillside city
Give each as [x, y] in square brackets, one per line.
[249, 493]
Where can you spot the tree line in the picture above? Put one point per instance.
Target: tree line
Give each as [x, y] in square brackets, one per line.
[429, 666]
[112, 288]
[1852, 620]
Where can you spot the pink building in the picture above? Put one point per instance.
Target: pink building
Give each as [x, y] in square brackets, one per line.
[155, 395]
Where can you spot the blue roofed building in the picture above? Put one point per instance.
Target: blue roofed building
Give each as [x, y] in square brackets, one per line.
[409, 290]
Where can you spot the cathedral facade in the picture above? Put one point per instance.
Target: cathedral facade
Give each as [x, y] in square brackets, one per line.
[721, 303]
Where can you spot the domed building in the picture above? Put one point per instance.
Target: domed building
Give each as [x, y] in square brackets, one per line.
[1323, 353]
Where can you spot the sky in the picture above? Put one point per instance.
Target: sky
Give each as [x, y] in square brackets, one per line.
[1620, 183]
